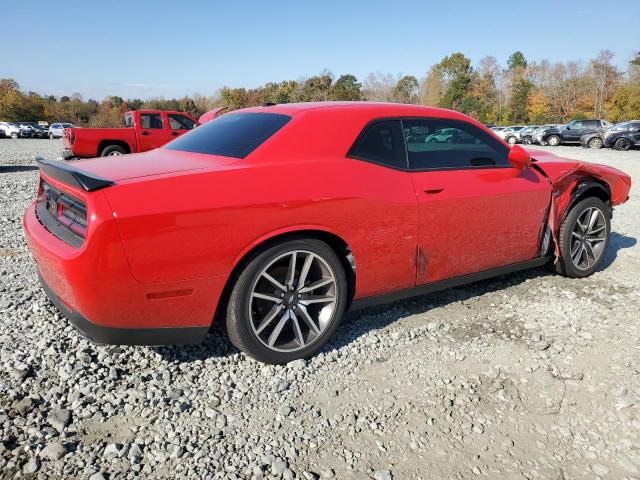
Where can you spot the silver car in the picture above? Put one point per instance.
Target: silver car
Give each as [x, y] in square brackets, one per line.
[56, 130]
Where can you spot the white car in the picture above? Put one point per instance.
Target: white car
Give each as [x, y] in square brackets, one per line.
[56, 130]
[10, 129]
[511, 134]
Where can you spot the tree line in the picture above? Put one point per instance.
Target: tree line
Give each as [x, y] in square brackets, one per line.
[519, 92]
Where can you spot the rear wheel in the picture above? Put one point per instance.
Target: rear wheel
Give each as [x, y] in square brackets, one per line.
[595, 143]
[527, 140]
[622, 144]
[553, 141]
[512, 140]
[287, 302]
[51, 137]
[584, 237]
[113, 150]
[14, 135]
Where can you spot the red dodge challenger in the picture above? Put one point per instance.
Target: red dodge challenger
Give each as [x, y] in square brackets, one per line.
[280, 218]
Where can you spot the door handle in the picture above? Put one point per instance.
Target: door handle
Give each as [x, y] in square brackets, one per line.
[432, 188]
[146, 133]
[174, 134]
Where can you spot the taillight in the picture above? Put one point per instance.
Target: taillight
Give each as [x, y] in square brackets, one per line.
[62, 214]
[72, 137]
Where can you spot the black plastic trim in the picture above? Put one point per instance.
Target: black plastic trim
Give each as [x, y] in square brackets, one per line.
[126, 336]
[72, 176]
[365, 302]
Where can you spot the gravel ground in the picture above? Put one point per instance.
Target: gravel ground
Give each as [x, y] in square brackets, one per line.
[527, 376]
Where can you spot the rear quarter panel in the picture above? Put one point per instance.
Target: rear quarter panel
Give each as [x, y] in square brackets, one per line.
[200, 225]
[87, 139]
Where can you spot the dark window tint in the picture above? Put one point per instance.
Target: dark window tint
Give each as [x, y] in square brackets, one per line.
[381, 142]
[180, 122]
[634, 127]
[128, 120]
[150, 120]
[442, 144]
[231, 135]
[590, 123]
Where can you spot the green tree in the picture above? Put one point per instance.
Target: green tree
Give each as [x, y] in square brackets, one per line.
[516, 60]
[347, 87]
[406, 90]
[457, 77]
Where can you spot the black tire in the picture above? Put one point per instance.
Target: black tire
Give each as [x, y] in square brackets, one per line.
[511, 140]
[238, 321]
[51, 137]
[14, 135]
[553, 140]
[595, 143]
[622, 144]
[566, 265]
[112, 150]
[527, 141]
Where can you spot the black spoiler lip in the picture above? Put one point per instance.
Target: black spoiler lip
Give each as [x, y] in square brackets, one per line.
[75, 177]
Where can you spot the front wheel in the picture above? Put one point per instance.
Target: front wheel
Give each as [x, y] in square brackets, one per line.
[287, 302]
[584, 237]
[622, 144]
[14, 135]
[553, 141]
[512, 140]
[51, 137]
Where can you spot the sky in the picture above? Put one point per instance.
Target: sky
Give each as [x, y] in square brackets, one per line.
[143, 49]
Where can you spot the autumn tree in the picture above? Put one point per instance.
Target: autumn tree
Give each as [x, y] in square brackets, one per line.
[347, 87]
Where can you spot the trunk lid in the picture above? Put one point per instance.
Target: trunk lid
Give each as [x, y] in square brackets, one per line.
[153, 163]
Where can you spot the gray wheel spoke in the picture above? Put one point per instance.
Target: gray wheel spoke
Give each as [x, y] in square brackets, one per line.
[595, 230]
[575, 248]
[577, 255]
[575, 234]
[594, 214]
[296, 329]
[307, 318]
[291, 271]
[316, 285]
[274, 281]
[264, 296]
[305, 270]
[276, 331]
[317, 299]
[589, 253]
[267, 320]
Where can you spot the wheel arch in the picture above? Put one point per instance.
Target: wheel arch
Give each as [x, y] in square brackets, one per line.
[108, 142]
[335, 241]
[590, 187]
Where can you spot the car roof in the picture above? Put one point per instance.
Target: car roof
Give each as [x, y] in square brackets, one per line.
[377, 109]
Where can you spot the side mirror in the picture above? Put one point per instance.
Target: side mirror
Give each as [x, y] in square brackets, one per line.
[519, 157]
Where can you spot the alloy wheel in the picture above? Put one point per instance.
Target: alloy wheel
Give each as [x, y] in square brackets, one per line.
[293, 301]
[114, 153]
[588, 238]
[595, 143]
[554, 141]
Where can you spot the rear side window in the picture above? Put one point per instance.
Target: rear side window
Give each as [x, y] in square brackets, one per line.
[381, 142]
[232, 135]
[435, 144]
[151, 120]
[634, 127]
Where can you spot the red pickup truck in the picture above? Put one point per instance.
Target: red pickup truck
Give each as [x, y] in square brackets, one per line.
[143, 130]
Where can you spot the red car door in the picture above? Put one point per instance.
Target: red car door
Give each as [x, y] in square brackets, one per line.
[475, 211]
[152, 131]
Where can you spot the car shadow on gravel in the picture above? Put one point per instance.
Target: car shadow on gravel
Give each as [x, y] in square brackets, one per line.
[616, 242]
[359, 323]
[17, 168]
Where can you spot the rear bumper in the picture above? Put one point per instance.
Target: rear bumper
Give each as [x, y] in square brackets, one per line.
[125, 336]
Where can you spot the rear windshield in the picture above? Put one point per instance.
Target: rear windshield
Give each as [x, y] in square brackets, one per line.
[231, 135]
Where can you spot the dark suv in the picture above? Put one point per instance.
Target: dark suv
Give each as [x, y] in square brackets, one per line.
[573, 131]
[623, 136]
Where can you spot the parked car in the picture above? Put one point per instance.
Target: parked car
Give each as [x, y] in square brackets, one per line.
[39, 131]
[536, 138]
[143, 130]
[26, 130]
[623, 136]
[511, 134]
[497, 129]
[280, 218]
[526, 134]
[10, 129]
[56, 130]
[572, 132]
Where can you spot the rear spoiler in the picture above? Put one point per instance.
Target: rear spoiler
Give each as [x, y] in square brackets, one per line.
[75, 177]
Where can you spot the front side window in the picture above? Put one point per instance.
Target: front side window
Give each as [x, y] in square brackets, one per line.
[381, 143]
[621, 127]
[151, 121]
[232, 135]
[180, 122]
[574, 126]
[634, 127]
[451, 144]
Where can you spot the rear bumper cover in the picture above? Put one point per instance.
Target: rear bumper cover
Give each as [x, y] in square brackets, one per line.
[125, 336]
